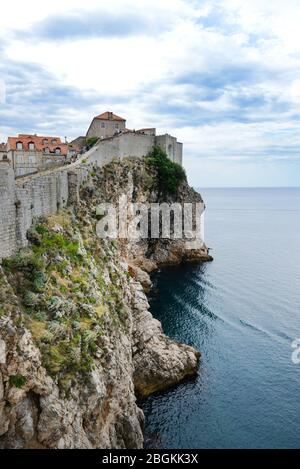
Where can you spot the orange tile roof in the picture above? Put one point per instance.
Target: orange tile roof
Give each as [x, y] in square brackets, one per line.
[109, 116]
[40, 143]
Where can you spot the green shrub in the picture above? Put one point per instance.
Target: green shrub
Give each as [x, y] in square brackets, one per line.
[24, 261]
[56, 242]
[170, 175]
[90, 142]
[18, 381]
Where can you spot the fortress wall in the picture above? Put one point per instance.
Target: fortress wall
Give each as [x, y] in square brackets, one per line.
[8, 241]
[104, 152]
[121, 146]
[172, 148]
[23, 200]
[23, 215]
[178, 153]
[134, 144]
[37, 196]
[75, 178]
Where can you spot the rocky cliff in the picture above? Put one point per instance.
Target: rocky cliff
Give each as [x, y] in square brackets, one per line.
[77, 340]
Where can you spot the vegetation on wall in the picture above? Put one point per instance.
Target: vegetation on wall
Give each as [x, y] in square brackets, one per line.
[170, 175]
[91, 141]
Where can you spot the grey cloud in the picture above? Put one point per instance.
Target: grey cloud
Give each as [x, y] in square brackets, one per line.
[34, 97]
[80, 25]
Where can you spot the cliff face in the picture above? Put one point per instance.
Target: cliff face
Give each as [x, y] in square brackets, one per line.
[77, 340]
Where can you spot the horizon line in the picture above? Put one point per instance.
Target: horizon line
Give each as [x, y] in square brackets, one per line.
[249, 187]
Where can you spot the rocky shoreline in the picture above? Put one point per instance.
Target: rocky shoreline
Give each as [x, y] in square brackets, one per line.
[77, 340]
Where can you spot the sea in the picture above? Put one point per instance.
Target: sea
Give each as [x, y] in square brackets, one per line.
[242, 312]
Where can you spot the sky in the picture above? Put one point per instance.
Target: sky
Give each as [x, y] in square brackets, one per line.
[221, 75]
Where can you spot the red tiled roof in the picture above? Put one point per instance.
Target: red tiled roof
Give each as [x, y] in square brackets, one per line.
[109, 116]
[40, 143]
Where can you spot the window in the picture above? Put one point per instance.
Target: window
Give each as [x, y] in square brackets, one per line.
[47, 151]
[31, 146]
[53, 141]
[19, 146]
[57, 151]
[45, 141]
[102, 125]
[116, 126]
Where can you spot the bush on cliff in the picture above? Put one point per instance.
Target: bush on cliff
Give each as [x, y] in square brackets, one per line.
[91, 141]
[170, 175]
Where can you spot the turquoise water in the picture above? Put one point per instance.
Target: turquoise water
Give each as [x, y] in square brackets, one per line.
[242, 312]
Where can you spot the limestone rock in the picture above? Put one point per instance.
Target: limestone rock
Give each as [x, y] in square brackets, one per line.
[141, 276]
[94, 300]
[159, 362]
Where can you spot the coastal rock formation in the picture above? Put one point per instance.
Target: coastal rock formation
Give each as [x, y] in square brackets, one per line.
[77, 340]
[51, 400]
[158, 361]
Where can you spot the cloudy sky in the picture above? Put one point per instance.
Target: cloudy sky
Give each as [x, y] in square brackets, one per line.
[222, 75]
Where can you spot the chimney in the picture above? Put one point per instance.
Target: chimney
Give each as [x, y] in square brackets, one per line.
[110, 115]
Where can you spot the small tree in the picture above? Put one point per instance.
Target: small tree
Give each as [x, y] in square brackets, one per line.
[170, 175]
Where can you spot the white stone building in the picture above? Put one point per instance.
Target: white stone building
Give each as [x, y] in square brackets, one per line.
[106, 125]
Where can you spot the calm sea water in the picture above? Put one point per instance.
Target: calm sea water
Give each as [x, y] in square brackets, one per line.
[242, 312]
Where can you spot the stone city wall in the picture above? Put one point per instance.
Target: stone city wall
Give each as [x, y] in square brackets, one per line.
[25, 199]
